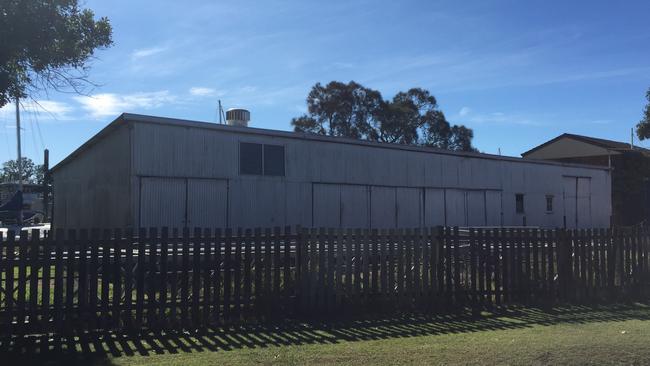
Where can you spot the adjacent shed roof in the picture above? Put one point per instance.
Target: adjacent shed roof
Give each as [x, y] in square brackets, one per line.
[603, 143]
[129, 117]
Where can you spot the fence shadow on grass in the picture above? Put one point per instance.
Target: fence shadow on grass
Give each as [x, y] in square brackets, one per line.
[101, 348]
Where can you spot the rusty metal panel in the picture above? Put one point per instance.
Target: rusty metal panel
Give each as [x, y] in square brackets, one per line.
[207, 203]
[162, 202]
[409, 207]
[382, 208]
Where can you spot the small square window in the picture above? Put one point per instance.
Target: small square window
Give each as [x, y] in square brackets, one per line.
[549, 203]
[519, 203]
[274, 160]
[250, 158]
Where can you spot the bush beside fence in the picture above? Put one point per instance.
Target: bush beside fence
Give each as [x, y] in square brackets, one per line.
[77, 281]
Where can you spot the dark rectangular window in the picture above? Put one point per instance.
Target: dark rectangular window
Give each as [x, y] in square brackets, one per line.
[250, 158]
[274, 160]
[519, 203]
[549, 203]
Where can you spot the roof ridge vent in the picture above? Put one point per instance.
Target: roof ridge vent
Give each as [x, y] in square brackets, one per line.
[238, 117]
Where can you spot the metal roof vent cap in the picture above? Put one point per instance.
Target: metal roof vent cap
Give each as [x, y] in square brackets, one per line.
[238, 117]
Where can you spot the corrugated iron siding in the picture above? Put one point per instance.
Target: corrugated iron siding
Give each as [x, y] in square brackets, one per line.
[163, 202]
[339, 185]
[325, 184]
[94, 190]
[207, 203]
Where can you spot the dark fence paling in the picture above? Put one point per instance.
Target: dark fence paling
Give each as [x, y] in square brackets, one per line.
[76, 281]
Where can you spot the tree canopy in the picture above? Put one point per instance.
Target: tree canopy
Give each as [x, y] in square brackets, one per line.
[352, 110]
[31, 173]
[47, 44]
[643, 127]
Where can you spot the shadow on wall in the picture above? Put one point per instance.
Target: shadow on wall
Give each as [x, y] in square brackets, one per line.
[98, 349]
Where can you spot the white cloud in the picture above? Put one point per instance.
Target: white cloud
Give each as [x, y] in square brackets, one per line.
[466, 115]
[199, 91]
[40, 109]
[110, 104]
[146, 52]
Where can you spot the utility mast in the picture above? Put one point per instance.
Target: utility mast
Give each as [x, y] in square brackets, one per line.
[220, 111]
[20, 162]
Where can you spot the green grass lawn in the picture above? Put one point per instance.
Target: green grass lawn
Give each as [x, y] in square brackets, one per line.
[568, 335]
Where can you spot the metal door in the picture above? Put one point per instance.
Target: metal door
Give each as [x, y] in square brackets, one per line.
[455, 207]
[570, 202]
[409, 207]
[493, 208]
[382, 208]
[583, 205]
[434, 207]
[476, 215]
[162, 202]
[327, 206]
[207, 203]
[354, 206]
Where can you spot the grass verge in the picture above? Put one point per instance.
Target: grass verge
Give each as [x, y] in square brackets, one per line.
[615, 334]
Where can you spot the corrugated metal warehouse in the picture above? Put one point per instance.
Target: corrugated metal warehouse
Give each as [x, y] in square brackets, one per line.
[143, 171]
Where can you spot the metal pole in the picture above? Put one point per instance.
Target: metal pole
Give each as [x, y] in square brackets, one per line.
[220, 122]
[46, 179]
[20, 163]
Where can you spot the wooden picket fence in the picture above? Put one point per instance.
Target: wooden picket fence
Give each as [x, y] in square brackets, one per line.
[80, 281]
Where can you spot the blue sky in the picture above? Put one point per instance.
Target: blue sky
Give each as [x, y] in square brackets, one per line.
[517, 72]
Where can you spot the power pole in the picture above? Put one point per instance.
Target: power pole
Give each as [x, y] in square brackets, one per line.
[46, 184]
[220, 112]
[20, 163]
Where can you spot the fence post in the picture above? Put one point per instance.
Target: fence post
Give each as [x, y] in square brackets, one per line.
[301, 285]
[563, 263]
[472, 261]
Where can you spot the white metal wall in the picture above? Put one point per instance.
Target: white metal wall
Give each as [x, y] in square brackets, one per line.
[349, 185]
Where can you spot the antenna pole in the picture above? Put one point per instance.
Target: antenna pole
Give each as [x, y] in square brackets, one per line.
[220, 121]
[631, 138]
[20, 162]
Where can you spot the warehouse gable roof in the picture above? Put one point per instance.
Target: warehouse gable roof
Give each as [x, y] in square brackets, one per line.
[138, 118]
